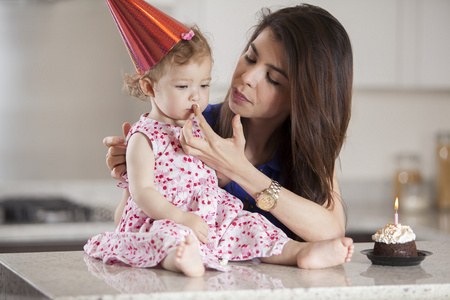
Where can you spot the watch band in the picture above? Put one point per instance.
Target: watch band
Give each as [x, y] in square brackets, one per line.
[274, 189]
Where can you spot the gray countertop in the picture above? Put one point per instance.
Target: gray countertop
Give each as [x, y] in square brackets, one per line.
[73, 275]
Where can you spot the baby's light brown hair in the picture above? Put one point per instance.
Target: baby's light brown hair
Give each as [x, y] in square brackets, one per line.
[185, 51]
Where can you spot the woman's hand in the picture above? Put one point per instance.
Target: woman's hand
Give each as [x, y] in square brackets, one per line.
[222, 155]
[197, 224]
[115, 157]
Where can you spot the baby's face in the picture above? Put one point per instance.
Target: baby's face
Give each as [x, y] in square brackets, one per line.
[181, 87]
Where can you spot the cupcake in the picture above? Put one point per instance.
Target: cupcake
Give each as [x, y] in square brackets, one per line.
[396, 241]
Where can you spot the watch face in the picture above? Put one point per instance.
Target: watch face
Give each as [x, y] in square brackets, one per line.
[265, 202]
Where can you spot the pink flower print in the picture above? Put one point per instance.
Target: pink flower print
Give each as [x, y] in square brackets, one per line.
[185, 181]
[209, 217]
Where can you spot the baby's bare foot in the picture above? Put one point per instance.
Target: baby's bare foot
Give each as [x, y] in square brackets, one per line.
[324, 254]
[188, 259]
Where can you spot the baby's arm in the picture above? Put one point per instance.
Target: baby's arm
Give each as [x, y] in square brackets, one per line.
[140, 169]
[222, 179]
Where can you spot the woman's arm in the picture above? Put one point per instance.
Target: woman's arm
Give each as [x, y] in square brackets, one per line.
[307, 219]
[310, 221]
[140, 170]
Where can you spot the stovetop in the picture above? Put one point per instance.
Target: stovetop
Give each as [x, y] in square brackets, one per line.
[26, 210]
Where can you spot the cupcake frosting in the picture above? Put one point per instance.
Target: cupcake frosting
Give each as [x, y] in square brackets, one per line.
[392, 234]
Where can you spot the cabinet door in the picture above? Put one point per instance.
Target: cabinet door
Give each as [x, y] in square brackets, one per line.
[433, 44]
[372, 27]
[397, 44]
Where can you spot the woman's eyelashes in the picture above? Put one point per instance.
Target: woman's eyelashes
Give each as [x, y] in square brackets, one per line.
[249, 60]
[269, 79]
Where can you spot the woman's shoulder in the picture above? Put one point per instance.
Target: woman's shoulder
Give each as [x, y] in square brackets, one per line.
[210, 113]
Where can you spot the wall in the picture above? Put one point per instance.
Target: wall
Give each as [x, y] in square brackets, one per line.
[386, 123]
[60, 85]
[60, 89]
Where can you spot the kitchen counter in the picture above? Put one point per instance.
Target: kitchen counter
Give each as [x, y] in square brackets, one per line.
[73, 275]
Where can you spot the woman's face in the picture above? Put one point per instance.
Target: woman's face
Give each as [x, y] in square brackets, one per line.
[260, 87]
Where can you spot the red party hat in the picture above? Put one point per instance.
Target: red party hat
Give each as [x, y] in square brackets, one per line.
[147, 32]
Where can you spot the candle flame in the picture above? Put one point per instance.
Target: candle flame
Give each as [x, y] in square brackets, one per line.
[396, 203]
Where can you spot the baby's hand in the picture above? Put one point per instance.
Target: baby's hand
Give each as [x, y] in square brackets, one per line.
[197, 224]
[223, 180]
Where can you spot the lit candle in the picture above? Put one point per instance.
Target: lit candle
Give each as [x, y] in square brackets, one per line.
[396, 213]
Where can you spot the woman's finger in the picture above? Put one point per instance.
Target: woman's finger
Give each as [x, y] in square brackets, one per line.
[114, 161]
[188, 141]
[207, 131]
[113, 141]
[126, 128]
[186, 132]
[238, 131]
[117, 150]
[117, 140]
[117, 172]
[186, 136]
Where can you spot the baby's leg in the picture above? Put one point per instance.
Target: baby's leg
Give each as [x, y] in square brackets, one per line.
[186, 259]
[314, 255]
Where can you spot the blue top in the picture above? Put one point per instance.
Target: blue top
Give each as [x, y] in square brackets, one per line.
[270, 169]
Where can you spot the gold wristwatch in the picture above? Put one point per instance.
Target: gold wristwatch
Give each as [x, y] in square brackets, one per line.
[268, 199]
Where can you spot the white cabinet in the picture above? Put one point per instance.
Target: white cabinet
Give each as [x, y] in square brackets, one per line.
[402, 44]
[372, 27]
[397, 44]
[433, 45]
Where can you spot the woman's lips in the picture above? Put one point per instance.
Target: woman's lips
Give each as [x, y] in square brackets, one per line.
[239, 97]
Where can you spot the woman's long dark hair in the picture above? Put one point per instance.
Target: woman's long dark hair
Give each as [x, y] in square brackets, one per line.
[320, 71]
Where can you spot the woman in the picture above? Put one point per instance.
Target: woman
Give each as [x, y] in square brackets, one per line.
[289, 106]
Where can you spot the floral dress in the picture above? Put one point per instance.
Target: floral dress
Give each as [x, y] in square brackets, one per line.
[185, 181]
